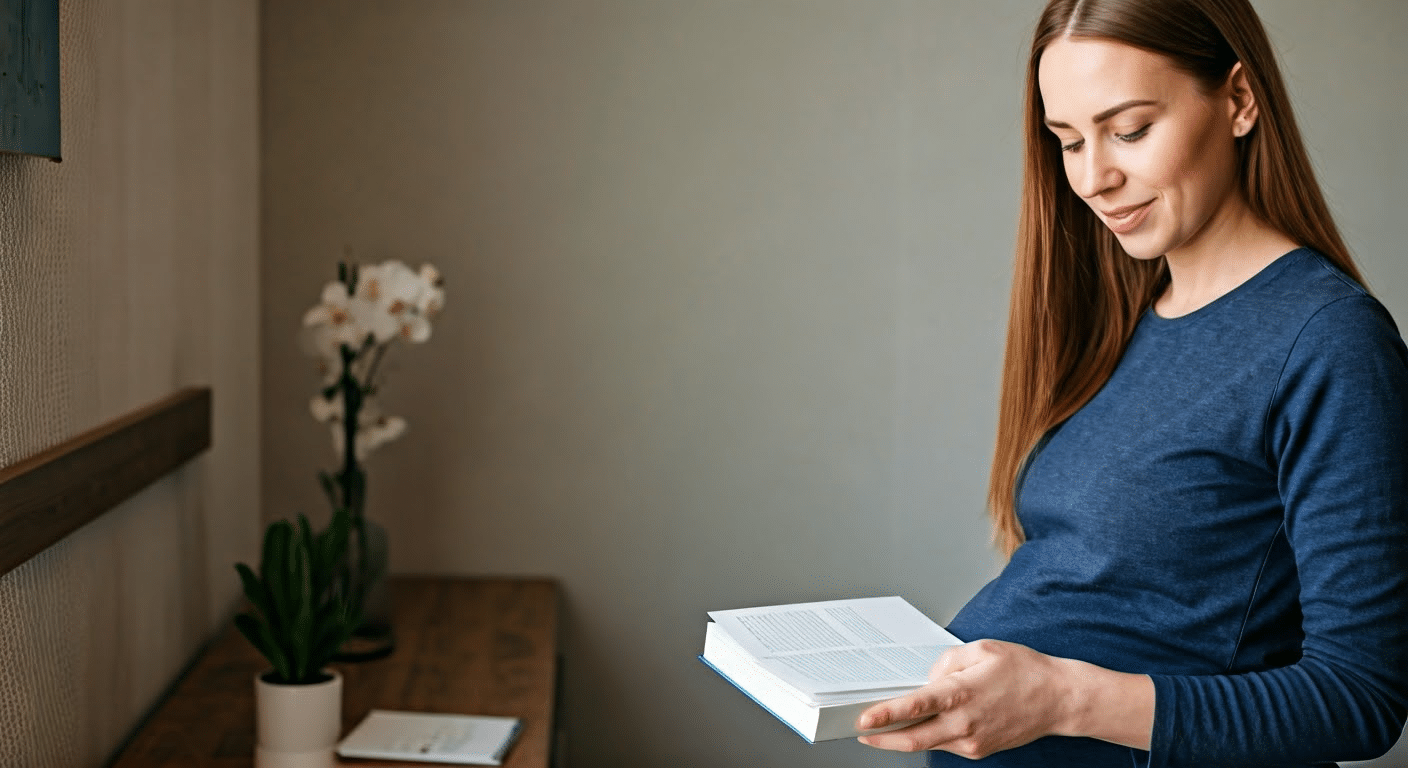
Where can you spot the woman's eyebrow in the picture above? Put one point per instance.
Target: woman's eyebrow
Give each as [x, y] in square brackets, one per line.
[1107, 114]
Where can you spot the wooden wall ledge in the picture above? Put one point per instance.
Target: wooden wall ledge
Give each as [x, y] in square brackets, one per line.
[48, 496]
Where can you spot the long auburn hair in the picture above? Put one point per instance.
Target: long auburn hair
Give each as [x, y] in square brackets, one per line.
[1076, 294]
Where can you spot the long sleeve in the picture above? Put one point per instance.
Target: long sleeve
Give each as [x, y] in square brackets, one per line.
[1337, 436]
[1228, 515]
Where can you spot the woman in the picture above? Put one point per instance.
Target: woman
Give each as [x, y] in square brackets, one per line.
[1201, 474]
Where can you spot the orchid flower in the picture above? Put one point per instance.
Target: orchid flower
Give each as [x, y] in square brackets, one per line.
[349, 331]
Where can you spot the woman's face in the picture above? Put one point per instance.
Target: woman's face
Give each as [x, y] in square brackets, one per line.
[1151, 153]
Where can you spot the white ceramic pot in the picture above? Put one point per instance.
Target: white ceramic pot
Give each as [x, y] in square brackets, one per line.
[296, 726]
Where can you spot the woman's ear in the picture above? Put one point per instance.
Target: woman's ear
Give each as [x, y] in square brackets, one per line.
[1241, 102]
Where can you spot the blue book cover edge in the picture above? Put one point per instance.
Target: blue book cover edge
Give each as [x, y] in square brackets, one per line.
[765, 707]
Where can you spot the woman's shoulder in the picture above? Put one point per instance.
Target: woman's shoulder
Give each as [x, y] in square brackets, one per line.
[1303, 312]
[1334, 325]
[1305, 288]
[1316, 276]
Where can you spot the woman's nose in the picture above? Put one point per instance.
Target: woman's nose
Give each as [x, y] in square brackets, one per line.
[1094, 172]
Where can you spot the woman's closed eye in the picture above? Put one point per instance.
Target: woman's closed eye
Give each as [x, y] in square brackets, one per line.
[1133, 135]
[1126, 138]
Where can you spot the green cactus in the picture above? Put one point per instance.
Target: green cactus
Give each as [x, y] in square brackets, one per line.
[302, 611]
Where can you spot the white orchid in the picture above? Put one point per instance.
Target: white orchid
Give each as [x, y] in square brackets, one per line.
[348, 331]
[350, 319]
[327, 409]
[371, 434]
[374, 429]
[431, 298]
[405, 299]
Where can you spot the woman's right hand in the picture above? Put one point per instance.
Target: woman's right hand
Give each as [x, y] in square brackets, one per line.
[987, 696]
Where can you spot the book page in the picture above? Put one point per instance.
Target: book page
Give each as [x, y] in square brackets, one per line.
[840, 645]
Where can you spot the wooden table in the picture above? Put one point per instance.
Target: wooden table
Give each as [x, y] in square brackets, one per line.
[482, 646]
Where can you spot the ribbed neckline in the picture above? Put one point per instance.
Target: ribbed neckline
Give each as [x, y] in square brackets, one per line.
[1266, 274]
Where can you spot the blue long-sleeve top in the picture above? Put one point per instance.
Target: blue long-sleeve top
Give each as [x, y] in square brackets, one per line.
[1229, 515]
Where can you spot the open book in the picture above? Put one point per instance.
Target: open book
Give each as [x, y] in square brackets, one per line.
[817, 666]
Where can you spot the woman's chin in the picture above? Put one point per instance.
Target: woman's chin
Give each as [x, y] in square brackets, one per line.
[1140, 248]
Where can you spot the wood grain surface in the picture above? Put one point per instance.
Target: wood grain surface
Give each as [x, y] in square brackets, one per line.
[474, 646]
[48, 496]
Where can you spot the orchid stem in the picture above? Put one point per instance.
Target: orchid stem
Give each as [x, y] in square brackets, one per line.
[376, 362]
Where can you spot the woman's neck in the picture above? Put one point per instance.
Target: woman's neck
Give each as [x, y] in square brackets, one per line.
[1231, 249]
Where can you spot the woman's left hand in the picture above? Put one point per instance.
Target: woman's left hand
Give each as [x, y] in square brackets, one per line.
[983, 697]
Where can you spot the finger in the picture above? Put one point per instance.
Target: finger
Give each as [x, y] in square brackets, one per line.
[953, 659]
[922, 702]
[911, 739]
[920, 736]
[908, 707]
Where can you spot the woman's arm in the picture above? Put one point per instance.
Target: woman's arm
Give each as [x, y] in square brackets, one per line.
[1337, 434]
[987, 696]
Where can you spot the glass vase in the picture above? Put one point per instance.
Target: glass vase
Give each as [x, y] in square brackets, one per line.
[368, 558]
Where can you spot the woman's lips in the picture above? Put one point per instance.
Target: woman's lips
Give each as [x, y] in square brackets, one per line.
[1122, 221]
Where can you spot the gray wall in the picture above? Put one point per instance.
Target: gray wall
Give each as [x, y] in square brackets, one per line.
[727, 288]
[128, 271]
